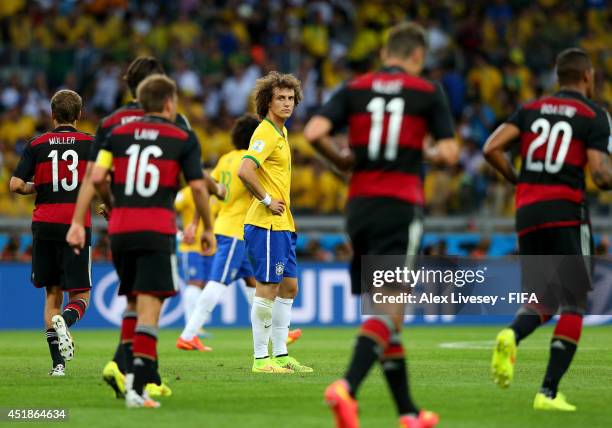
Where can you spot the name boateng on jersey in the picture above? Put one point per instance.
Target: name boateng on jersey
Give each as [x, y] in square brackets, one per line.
[555, 133]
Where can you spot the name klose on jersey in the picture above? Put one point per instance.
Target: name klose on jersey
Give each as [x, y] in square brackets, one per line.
[146, 134]
[389, 87]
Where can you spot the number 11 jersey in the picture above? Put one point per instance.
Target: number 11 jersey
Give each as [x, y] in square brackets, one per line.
[555, 133]
[57, 161]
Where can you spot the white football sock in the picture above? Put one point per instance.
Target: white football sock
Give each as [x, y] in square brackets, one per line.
[189, 299]
[205, 305]
[261, 320]
[249, 292]
[281, 318]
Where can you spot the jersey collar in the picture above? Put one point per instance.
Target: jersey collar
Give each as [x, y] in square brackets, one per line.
[393, 69]
[280, 131]
[152, 118]
[65, 128]
[571, 93]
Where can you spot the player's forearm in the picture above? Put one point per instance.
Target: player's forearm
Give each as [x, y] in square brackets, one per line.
[343, 160]
[212, 186]
[601, 172]
[201, 196]
[444, 153]
[251, 182]
[17, 185]
[498, 160]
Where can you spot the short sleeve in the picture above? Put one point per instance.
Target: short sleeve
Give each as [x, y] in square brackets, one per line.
[101, 136]
[259, 149]
[27, 164]
[515, 118]
[440, 119]
[190, 159]
[336, 109]
[179, 201]
[599, 137]
[216, 172]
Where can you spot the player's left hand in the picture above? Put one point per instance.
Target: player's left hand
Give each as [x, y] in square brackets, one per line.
[208, 242]
[76, 237]
[221, 192]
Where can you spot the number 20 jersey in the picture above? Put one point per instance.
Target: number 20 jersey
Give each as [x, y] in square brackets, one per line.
[389, 113]
[555, 133]
[147, 157]
[57, 162]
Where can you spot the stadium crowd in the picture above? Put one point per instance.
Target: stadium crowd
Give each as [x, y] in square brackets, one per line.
[490, 56]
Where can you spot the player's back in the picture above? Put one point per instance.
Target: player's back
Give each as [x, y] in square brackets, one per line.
[555, 133]
[389, 113]
[57, 161]
[148, 156]
[233, 208]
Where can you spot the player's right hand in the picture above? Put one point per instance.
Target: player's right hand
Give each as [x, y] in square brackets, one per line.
[103, 211]
[208, 242]
[189, 234]
[76, 237]
[277, 207]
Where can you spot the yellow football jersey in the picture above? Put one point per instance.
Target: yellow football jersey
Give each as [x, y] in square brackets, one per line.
[185, 206]
[269, 149]
[233, 209]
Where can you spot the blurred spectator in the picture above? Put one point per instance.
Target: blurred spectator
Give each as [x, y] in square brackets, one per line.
[101, 251]
[10, 252]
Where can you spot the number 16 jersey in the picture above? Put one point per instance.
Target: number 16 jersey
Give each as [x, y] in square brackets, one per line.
[56, 160]
[147, 157]
[555, 133]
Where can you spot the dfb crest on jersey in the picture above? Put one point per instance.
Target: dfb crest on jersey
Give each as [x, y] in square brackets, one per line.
[279, 268]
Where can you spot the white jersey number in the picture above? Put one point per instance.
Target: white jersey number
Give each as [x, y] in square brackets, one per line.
[549, 135]
[139, 160]
[377, 107]
[72, 168]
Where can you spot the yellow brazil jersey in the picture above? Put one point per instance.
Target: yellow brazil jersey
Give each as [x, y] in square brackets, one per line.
[233, 209]
[185, 206]
[270, 149]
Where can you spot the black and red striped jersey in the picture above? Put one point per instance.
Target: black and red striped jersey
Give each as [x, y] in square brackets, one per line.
[555, 133]
[148, 157]
[128, 113]
[389, 113]
[57, 161]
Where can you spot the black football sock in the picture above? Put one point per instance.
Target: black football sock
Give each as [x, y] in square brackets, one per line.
[526, 322]
[371, 342]
[562, 349]
[123, 354]
[53, 342]
[394, 366]
[145, 355]
[155, 377]
[74, 311]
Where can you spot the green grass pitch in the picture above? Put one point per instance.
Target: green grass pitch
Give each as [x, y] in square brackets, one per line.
[218, 390]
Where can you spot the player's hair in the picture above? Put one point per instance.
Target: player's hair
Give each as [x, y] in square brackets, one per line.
[154, 91]
[66, 106]
[571, 65]
[264, 88]
[404, 38]
[139, 69]
[243, 130]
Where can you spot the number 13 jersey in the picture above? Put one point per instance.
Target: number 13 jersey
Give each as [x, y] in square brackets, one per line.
[147, 157]
[56, 161]
[389, 113]
[555, 133]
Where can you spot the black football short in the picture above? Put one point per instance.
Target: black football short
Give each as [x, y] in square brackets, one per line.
[381, 226]
[146, 272]
[556, 265]
[54, 263]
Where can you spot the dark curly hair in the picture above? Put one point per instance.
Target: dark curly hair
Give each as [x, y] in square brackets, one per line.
[141, 68]
[243, 130]
[264, 88]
